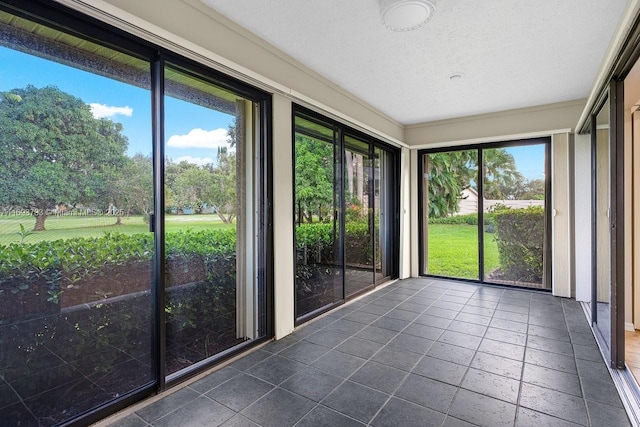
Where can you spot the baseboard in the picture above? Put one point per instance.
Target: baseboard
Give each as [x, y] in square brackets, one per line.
[628, 326]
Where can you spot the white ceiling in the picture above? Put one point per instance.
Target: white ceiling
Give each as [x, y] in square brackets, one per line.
[512, 53]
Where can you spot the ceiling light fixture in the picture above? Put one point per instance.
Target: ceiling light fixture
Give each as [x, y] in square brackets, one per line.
[406, 15]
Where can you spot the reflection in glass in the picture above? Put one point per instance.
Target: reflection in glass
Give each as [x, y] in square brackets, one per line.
[514, 215]
[383, 210]
[317, 223]
[358, 214]
[211, 289]
[358, 240]
[75, 250]
[450, 214]
[603, 235]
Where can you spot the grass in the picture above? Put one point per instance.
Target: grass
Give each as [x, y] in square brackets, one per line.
[68, 227]
[453, 251]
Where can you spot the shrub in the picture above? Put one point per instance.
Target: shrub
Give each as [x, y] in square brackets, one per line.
[468, 219]
[520, 237]
[34, 276]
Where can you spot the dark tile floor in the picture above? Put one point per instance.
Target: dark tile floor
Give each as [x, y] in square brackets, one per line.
[419, 352]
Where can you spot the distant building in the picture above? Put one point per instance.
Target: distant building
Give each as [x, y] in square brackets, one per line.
[468, 203]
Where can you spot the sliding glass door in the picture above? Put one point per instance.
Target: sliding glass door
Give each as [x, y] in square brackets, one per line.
[601, 296]
[345, 213]
[484, 213]
[133, 217]
[211, 286]
[318, 223]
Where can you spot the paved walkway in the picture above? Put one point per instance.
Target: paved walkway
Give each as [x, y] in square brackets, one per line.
[420, 352]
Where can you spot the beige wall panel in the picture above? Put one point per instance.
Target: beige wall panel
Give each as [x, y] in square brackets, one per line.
[603, 241]
[405, 214]
[414, 215]
[634, 204]
[628, 221]
[582, 215]
[561, 220]
[193, 21]
[508, 123]
[283, 256]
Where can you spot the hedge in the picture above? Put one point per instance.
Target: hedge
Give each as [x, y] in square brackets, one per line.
[520, 237]
[469, 219]
[35, 276]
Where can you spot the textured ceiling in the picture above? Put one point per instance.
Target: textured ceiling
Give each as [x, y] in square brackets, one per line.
[512, 53]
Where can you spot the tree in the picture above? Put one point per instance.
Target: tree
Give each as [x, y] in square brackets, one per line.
[222, 192]
[173, 170]
[130, 188]
[501, 176]
[448, 174]
[193, 188]
[533, 189]
[314, 187]
[53, 150]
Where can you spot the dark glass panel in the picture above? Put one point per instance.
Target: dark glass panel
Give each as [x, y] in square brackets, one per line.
[75, 249]
[450, 212]
[317, 228]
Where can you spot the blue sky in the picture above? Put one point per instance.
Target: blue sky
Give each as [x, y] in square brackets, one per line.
[529, 160]
[191, 132]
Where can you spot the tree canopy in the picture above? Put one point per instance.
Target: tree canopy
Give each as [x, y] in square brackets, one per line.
[314, 187]
[448, 174]
[54, 151]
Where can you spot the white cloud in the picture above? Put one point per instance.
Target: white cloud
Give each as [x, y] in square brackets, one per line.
[101, 110]
[200, 161]
[200, 138]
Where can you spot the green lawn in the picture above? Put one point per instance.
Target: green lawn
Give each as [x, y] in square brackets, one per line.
[68, 227]
[453, 251]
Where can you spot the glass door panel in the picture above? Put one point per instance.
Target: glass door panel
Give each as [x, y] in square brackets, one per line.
[76, 253]
[603, 229]
[210, 199]
[319, 265]
[358, 214]
[450, 214]
[383, 211]
[515, 230]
